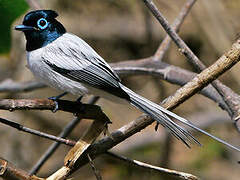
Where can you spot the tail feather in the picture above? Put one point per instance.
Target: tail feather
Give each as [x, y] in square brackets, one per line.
[159, 114]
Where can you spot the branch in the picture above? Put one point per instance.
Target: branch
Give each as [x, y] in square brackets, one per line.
[197, 64]
[10, 172]
[164, 46]
[232, 102]
[35, 132]
[170, 73]
[9, 85]
[163, 171]
[19, 172]
[87, 111]
[95, 170]
[65, 132]
[200, 81]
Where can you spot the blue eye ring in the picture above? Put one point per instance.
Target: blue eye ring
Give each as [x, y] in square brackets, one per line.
[42, 23]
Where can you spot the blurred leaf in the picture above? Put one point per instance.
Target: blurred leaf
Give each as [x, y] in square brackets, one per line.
[213, 151]
[9, 11]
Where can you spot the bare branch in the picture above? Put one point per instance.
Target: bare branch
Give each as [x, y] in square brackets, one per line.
[35, 132]
[10, 172]
[65, 132]
[180, 175]
[170, 73]
[201, 80]
[183, 48]
[158, 169]
[196, 63]
[10, 86]
[163, 171]
[88, 111]
[165, 44]
[96, 172]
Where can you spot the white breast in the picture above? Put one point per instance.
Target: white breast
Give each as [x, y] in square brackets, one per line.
[47, 76]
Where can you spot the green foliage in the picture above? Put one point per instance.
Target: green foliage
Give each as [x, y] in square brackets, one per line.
[9, 11]
[213, 151]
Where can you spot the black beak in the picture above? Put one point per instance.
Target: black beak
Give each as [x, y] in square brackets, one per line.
[25, 28]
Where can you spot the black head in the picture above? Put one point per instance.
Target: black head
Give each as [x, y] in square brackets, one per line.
[40, 28]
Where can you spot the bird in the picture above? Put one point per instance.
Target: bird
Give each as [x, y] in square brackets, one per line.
[66, 62]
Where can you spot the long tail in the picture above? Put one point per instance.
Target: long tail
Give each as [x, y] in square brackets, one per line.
[158, 113]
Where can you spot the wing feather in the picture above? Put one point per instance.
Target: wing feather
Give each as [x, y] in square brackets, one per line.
[76, 60]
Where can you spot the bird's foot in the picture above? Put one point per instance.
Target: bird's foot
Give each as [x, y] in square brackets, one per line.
[79, 99]
[106, 131]
[81, 107]
[156, 126]
[55, 100]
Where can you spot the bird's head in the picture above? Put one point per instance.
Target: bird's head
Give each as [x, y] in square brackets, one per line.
[40, 28]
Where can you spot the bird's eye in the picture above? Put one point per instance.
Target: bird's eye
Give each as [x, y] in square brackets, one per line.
[42, 23]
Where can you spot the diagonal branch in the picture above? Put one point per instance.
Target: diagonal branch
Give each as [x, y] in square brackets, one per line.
[200, 81]
[19, 173]
[163, 171]
[10, 172]
[35, 132]
[232, 102]
[170, 73]
[65, 132]
[9, 85]
[193, 59]
[165, 44]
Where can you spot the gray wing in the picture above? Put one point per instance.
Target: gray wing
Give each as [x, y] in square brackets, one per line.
[73, 58]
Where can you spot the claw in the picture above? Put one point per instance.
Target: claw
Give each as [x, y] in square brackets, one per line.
[55, 99]
[56, 106]
[79, 99]
[156, 126]
[82, 109]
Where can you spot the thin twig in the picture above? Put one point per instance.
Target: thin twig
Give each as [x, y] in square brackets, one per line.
[95, 170]
[181, 175]
[9, 172]
[170, 73]
[65, 132]
[193, 59]
[35, 132]
[10, 86]
[232, 102]
[165, 44]
[67, 129]
[163, 171]
[201, 80]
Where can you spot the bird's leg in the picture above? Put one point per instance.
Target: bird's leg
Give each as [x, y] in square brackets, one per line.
[80, 103]
[79, 99]
[156, 126]
[55, 99]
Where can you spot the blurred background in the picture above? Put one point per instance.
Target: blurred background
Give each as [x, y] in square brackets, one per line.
[118, 31]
